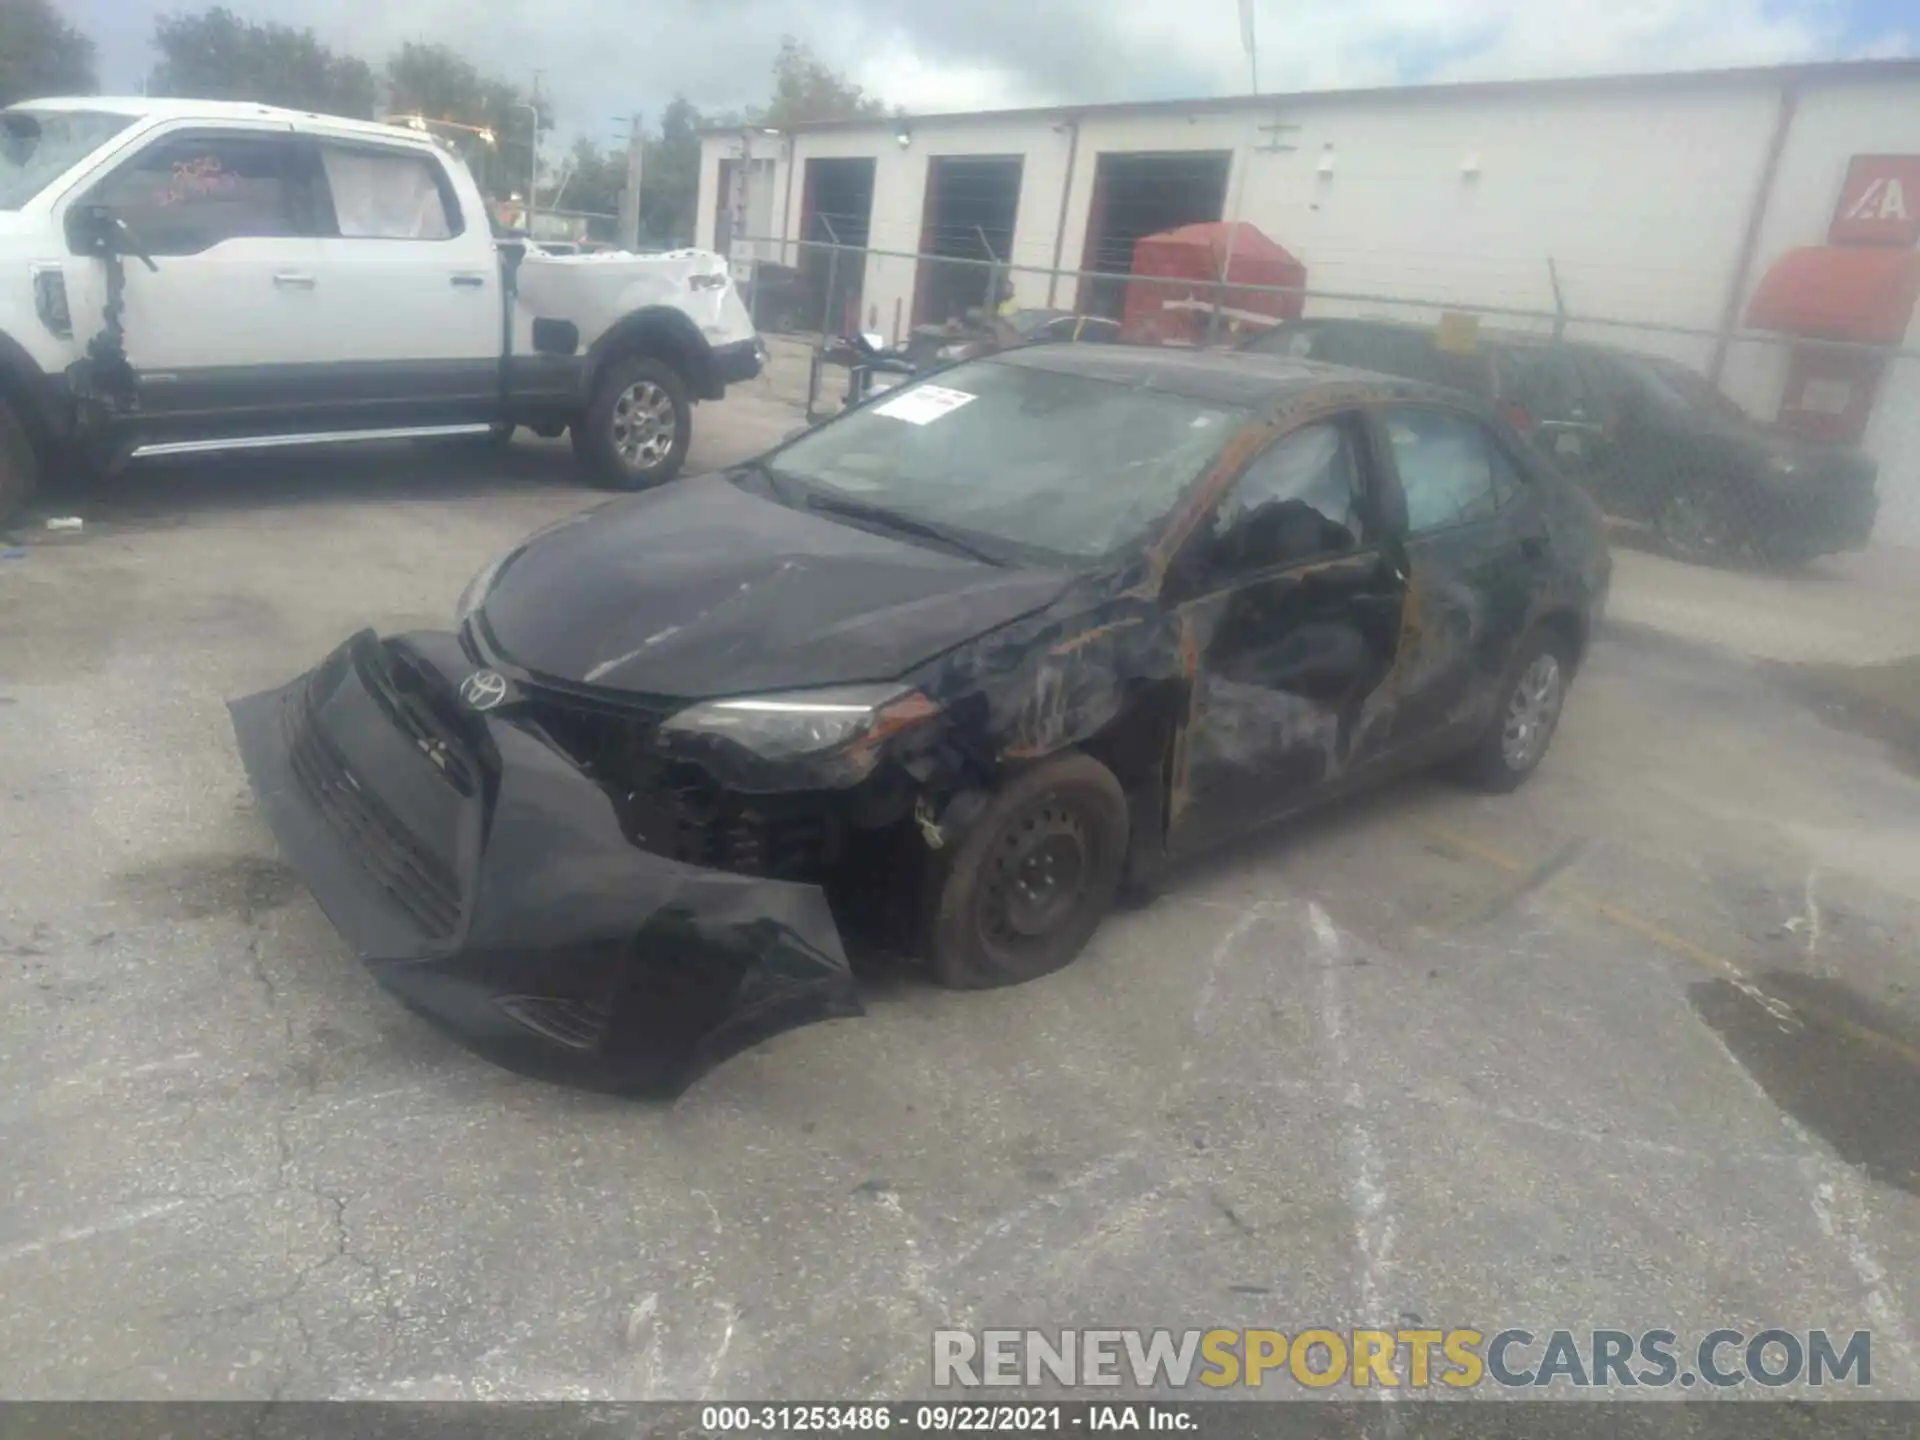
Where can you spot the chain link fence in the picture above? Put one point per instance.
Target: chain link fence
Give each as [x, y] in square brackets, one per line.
[1748, 451]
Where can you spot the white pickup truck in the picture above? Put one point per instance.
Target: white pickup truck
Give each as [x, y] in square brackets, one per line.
[184, 276]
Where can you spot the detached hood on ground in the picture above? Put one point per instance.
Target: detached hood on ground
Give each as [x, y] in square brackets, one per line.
[701, 589]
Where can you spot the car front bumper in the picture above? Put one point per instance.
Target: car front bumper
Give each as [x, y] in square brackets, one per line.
[485, 879]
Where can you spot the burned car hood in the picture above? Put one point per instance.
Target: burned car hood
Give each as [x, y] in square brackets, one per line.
[700, 588]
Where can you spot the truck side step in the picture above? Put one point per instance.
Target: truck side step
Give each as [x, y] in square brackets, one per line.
[319, 437]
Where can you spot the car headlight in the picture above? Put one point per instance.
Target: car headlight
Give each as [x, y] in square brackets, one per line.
[477, 588]
[800, 723]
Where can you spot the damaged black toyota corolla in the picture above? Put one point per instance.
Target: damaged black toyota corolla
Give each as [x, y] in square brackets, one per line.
[939, 675]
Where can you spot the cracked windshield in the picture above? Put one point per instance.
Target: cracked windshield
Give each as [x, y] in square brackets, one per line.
[830, 715]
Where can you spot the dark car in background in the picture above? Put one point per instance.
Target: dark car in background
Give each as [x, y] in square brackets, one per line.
[942, 344]
[942, 671]
[1655, 443]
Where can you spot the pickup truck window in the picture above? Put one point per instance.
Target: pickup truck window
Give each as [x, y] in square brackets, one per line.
[39, 146]
[187, 193]
[388, 195]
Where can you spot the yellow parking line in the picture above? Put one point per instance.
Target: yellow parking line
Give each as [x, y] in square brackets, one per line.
[1663, 937]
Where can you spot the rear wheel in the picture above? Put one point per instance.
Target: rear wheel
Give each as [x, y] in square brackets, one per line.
[1033, 878]
[19, 463]
[1530, 703]
[637, 427]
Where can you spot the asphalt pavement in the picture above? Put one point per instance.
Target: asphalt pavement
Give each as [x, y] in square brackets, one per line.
[1638, 1046]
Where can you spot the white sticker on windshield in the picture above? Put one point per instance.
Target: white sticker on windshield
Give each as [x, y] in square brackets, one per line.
[924, 404]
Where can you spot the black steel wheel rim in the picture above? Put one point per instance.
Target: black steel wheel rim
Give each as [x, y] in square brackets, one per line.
[1037, 875]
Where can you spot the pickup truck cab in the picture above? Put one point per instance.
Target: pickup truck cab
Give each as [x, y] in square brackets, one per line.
[187, 276]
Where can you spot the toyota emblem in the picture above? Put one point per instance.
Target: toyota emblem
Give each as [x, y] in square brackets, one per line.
[484, 689]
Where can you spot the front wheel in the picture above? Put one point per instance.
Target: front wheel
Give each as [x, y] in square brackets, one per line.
[637, 427]
[1032, 879]
[1530, 703]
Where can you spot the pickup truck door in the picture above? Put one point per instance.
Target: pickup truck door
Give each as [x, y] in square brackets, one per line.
[407, 283]
[212, 330]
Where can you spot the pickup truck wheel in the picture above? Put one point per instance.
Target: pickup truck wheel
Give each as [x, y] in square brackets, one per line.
[19, 465]
[636, 429]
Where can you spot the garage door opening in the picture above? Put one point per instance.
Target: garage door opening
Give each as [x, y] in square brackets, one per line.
[969, 214]
[836, 207]
[1138, 195]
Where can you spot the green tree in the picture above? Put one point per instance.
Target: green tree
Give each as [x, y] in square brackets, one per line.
[40, 54]
[216, 55]
[670, 175]
[435, 82]
[592, 181]
[806, 89]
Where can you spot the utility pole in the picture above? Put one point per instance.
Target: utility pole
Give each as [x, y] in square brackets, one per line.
[533, 156]
[1247, 41]
[630, 197]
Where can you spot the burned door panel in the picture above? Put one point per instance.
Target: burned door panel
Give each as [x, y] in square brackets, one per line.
[1472, 535]
[1293, 623]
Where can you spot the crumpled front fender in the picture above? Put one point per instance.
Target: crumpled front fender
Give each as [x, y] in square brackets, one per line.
[517, 914]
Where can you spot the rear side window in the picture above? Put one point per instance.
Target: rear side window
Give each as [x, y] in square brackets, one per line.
[1452, 472]
[388, 194]
[187, 193]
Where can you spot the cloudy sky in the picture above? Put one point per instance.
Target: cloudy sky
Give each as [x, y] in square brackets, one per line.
[601, 58]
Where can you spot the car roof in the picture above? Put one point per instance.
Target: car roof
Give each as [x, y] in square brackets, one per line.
[1222, 377]
[147, 107]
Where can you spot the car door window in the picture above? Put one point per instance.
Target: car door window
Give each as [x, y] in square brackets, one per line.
[1299, 500]
[388, 194]
[184, 194]
[1451, 470]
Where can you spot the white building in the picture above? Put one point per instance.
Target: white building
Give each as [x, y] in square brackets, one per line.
[1662, 200]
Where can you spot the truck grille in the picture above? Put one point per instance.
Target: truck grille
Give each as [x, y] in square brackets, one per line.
[390, 854]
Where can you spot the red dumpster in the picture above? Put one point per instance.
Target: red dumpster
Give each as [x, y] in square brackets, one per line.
[1170, 300]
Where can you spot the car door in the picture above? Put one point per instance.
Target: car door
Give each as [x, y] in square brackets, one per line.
[1288, 605]
[212, 328]
[1475, 540]
[409, 284]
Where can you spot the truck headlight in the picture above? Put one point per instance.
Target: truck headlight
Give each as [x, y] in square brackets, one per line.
[800, 723]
